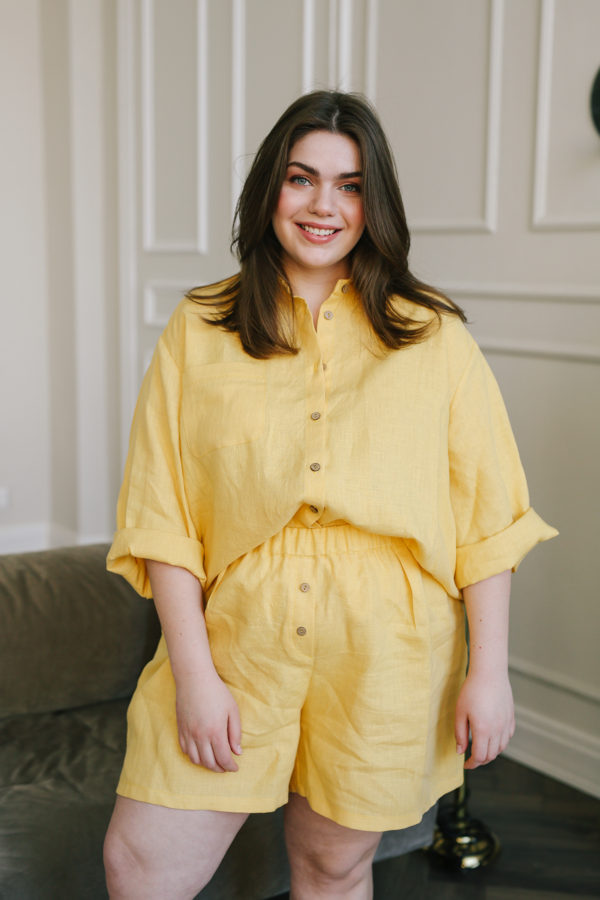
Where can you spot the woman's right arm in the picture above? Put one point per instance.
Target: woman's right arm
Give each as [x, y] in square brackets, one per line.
[208, 718]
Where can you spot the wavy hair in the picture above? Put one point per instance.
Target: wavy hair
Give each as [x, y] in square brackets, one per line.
[250, 302]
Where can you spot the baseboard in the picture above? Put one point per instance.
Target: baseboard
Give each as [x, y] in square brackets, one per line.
[556, 749]
[44, 536]
[22, 538]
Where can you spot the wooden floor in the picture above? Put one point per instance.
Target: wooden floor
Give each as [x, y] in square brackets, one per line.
[550, 836]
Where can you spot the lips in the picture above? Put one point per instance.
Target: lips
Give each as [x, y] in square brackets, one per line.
[320, 232]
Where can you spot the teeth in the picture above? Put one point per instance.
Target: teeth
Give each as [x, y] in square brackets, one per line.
[323, 232]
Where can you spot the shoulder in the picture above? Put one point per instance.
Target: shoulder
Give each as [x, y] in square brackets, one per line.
[445, 328]
[190, 337]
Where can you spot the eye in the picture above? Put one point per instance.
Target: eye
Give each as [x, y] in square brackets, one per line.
[299, 179]
[351, 188]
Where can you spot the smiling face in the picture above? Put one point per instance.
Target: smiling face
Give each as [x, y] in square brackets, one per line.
[319, 216]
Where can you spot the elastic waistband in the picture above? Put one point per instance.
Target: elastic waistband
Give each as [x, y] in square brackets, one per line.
[301, 540]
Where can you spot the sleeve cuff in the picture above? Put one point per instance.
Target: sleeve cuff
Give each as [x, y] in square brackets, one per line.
[131, 546]
[501, 551]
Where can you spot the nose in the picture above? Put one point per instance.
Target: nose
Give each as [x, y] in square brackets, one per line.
[322, 201]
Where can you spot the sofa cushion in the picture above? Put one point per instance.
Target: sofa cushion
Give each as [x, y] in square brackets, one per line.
[58, 773]
[71, 633]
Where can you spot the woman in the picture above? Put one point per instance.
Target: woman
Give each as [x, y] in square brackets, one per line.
[321, 461]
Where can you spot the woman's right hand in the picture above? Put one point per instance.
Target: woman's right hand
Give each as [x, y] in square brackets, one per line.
[208, 722]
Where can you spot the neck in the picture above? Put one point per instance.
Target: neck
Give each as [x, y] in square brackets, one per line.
[315, 287]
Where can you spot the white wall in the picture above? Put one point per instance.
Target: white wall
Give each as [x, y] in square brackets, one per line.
[24, 446]
[59, 462]
[129, 126]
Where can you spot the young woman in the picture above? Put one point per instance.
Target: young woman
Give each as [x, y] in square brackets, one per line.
[321, 471]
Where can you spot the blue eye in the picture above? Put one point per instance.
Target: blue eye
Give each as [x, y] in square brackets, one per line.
[299, 179]
[351, 188]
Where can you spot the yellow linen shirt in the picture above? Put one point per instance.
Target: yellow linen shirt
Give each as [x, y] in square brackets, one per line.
[414, 443]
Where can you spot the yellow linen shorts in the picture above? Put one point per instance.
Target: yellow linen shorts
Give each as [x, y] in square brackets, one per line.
[345, 659]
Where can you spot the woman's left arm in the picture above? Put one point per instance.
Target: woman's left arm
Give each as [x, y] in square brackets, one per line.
[485, 703]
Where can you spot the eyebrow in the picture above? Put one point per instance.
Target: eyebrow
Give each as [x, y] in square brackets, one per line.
[312, 171]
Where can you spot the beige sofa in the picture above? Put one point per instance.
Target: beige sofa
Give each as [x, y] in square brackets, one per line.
[73, 640]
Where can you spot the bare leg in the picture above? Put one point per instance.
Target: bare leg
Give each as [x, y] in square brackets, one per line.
[326, 859]
[152, 852]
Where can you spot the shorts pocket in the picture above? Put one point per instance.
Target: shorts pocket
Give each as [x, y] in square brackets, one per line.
[223, 404]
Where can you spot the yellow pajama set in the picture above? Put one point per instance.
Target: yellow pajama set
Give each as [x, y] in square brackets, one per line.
[333, 504]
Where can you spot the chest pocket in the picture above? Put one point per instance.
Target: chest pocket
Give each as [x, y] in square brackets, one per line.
[223, 404]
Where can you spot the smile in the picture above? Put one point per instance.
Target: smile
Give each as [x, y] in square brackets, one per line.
[321, 232]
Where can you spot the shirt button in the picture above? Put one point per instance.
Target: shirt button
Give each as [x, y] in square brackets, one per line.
[315, 415]
[314, 509]
[344, 289]
[315, 466]
[301, 630]
[324, 367]
[328, 314]
[304, 587]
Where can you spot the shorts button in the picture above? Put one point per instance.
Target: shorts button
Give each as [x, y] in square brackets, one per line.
[301, 630]
[315, 466]
[305, 586]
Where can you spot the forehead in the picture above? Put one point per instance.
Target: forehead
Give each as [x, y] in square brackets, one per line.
[326, 151]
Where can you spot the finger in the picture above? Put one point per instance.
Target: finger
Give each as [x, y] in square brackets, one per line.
[222, 755]
[190, 750]
[234, 731]
[461, 731]
[493, 750]
[207, 758]
[479, 752]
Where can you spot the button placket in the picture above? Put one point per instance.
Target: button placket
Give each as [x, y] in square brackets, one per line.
[316, 408]
[315, 438]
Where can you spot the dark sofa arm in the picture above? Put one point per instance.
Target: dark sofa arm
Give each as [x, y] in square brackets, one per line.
[70, 633]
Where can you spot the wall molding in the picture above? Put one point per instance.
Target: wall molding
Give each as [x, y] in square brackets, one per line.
[556, 749]
[371, 45]
[128, 275]
[552, 679]
[332, 44]
[542, 220]
[578, 353]
[561, 293]
[487, 223]
[344, 45]
[151, 315]
[91, 260]
[238, 98]
[198, 242]
[308, 45]
[202, 177]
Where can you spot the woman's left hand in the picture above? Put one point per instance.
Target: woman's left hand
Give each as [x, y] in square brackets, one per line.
[485, 705]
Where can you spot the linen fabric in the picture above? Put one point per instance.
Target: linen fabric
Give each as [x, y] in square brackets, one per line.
[394, 477]
[345, 660]
[413, 443]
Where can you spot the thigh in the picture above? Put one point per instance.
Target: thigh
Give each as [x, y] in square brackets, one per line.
[163, 851]
[314, 841]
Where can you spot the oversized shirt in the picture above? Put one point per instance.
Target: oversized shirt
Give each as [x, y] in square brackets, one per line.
[415, 443]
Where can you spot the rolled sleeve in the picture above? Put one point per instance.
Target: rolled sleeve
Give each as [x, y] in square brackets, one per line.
[501, 551]
[154, 519]
[495, 524]
[132, 546]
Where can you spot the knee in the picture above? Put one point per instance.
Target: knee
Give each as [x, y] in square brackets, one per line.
[122, 866]
[341, 869]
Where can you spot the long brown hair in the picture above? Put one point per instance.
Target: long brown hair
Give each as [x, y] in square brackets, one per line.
[250, 302]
